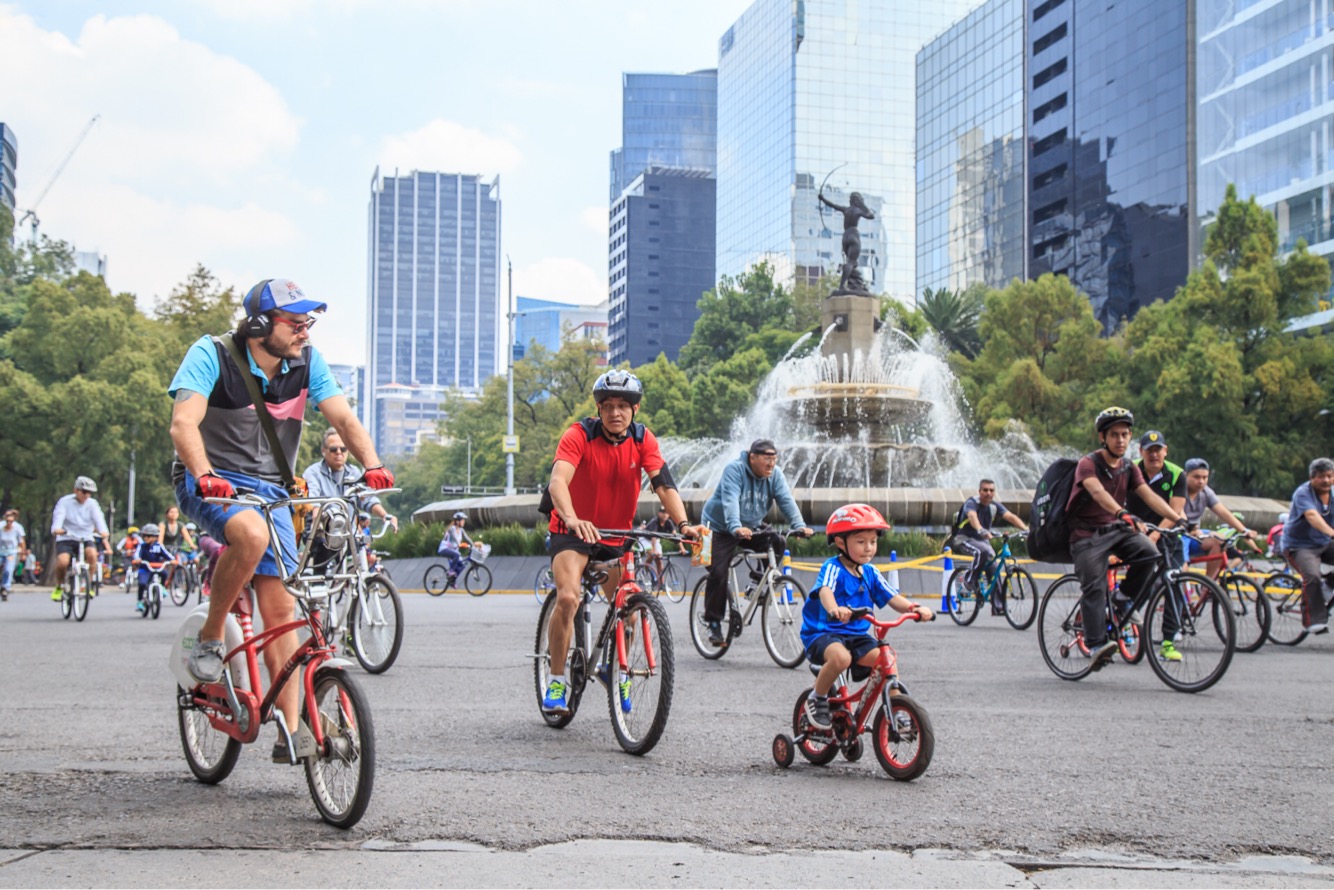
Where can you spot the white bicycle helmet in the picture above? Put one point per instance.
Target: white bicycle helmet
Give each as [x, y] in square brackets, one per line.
[83, 483]
[150, 531]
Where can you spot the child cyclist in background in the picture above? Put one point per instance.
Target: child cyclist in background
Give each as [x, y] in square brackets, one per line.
[149, 550]
[847, 581]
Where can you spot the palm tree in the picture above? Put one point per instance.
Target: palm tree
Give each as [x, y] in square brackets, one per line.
[954, 316]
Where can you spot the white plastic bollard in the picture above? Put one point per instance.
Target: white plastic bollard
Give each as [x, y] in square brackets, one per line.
[892, 576]
[947, 566]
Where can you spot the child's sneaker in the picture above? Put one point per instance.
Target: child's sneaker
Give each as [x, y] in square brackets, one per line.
[817, 711]
[902, 721]
[139, 607]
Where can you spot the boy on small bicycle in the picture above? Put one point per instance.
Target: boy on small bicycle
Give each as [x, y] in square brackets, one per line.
[847, 581]
[149, 550]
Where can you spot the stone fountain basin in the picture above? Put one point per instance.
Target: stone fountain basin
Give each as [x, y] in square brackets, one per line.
[855, 411]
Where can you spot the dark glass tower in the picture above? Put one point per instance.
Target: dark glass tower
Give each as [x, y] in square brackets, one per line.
[667, 120]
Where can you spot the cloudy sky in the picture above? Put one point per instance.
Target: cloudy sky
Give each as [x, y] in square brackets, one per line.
[243, 133]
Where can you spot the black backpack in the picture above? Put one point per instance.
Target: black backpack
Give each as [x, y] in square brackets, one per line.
[1049, 523]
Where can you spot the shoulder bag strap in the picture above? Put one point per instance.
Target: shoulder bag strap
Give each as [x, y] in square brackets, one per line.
[261, 410]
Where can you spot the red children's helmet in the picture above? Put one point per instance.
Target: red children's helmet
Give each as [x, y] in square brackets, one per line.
[855, 518]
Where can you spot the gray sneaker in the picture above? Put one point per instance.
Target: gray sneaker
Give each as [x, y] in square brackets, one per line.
[205, 662]
[817, 712]
[1102, 654]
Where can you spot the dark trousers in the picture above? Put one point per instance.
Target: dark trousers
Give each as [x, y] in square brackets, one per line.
[1090, 556]
[715, 588]
[1307, 562]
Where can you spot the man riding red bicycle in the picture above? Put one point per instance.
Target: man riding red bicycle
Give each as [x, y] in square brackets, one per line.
[221, 446]
[595, 485]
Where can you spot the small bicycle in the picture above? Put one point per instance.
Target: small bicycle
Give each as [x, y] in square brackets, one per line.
[215, 719]
[475, 577]
[772, 591]
[635, 641]
[81, 584]
[1250, 607]
[371, 626]
[1002, 581]
[900, 728]
[152, 603]
[669, 581]
[185, 580]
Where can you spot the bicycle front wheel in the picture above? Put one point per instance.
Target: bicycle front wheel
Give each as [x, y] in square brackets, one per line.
[780, 618]
[1284, 593]
[673, 583]
[639, 717]
[377, 625]
[210, 753]
[342, 775]
[81, 600]
[961, 602]
[904, 740]
[180, 588]
[1250, 611]
[1061, 630]
[699, 628]
[436, 579]
[544, 584]
[1192, 614]
[477, 579]
[1020, 593]
[155, 602]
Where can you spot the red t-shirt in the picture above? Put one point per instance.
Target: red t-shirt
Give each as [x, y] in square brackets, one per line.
[605, 487]
[1085, 513]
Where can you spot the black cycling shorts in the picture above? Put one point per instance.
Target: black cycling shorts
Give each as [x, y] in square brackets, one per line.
[598, 552]
[72, 548]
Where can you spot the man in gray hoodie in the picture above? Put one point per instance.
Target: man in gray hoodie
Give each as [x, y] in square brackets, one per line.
[749, 486]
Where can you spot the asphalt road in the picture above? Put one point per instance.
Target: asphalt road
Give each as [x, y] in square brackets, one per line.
[1101, 777]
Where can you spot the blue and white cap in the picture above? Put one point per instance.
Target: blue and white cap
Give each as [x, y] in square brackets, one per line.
[280, 293]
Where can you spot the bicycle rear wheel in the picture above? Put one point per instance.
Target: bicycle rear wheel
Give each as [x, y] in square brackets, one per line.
[576, 673]
[816, 745]
[1061, 630]
[780, 619]
[908, 756]
[67, 597]
[651, 669]
[544, 584]
[1284, 593]
[1193, 613]
[477, 579]
[342, 775]
[1020, 593]
[673, 582]
[699, 629]
[180, 587]
[377, 624]
[210, 753]
[1250, 610]
[436, 578]
[961, 602]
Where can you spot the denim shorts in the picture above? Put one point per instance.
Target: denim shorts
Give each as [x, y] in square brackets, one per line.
[212, 518]
[857, 644]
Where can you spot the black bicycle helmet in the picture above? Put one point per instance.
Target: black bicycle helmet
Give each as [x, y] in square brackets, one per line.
[1111, 416]
[618, 383]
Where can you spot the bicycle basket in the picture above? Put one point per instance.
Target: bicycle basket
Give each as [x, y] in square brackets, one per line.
[480, 552]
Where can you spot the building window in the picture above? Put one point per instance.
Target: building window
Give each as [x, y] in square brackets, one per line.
[1051, 71]
[1046, 8]
[1047, 143]
[1042, 180]
[1042, 214]
[1047, 108]
[1049, 38]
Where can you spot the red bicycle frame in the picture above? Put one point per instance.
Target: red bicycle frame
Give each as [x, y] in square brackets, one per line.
[861, 703]
[214, 698]
[624, 590]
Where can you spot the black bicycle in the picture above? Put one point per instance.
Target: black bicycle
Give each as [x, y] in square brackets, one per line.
[1188, 628]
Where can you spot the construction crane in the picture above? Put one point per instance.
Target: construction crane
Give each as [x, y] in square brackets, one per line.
[31, 213]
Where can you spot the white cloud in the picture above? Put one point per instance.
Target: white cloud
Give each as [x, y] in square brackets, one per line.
[448, 147]
[560, 278]
[595, 218]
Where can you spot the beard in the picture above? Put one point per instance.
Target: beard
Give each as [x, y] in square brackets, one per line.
[293, 350]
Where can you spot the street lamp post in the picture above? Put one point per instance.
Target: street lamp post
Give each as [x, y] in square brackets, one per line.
[509, 384]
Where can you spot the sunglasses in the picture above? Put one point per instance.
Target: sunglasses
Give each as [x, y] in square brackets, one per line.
[297, 326]
[336, 449]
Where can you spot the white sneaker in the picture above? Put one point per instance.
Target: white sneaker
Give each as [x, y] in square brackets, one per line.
[1320, 628]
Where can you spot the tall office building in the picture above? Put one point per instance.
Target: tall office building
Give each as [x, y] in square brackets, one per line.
[352, 379]
[661, 241]
[667, 120]
[434, 306]
[9, 162]
[1266, 112]
[1109, 129]
[970, 151]
[550, 323]
[813, 91]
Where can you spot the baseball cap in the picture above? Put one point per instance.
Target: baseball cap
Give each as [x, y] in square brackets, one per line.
[759, 446]
[1152, 439]
[280, 293]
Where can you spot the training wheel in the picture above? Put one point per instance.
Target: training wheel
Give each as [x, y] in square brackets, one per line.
[853, 752]
[782, 750]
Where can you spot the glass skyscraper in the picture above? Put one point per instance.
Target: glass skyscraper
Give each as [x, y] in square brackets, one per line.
[812, 93]
[433, 308]
[1266, 113]
[970, 151]
[9, 162]
[667, 120]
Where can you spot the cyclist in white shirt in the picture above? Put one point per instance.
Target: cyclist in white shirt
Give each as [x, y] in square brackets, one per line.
[12, 545]
[78, 518]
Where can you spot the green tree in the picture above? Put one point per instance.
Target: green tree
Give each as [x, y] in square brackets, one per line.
[725, 392]
[954, 316]
[666, 407]
[735, 309]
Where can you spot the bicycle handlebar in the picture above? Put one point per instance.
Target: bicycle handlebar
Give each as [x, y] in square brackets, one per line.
[641, 533]
[860, 613]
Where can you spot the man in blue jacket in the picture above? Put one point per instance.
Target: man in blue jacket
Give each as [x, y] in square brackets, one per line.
[749, 486]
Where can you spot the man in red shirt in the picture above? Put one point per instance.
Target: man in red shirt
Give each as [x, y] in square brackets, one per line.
[1102, 526]
[595, 485]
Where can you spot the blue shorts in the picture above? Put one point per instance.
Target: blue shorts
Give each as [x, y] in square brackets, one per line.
[1193, 546]
[212, 518]
[857, 644]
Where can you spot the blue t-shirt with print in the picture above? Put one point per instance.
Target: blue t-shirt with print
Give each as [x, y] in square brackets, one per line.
[1298, 533]
[865, 592]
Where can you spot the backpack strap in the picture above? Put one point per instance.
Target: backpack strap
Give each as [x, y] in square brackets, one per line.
[261, 411]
